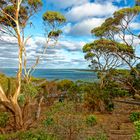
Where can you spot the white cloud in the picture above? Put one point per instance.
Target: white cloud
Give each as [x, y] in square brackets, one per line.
[87, 10]
[61, 56]
[84, 27]
[135, 26]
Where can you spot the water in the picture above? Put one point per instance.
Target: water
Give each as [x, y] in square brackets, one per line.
[56, 74]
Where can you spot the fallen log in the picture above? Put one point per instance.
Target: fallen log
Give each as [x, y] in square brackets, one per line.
[128, 102]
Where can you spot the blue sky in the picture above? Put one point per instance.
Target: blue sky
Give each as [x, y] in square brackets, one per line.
[82, 16]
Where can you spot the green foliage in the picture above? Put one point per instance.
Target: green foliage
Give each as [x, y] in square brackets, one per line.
[107, 46]
[4, 117]
[8, 84]
[110, 26]
[135, 73]
[91, 120]
[115, 89]
[126, 12]
[95, 98]
[104, 54]
[40, 135]
[27, 9]
[64, 85]
[134, 116]
[99, 136]
[28, 135]
[55, 33]
[74, 93]
[28, 91]
[138, 66]
[66, 121]
[35, 4]
[137, 133]
[52, 17]
[49, 121]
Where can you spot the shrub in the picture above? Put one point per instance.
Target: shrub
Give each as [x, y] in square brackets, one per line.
[3, 119]
[64, 85]
[134, 116]
[137, 133]
[91, 120]
[8, 84]
[2, 137]
[49, 121]
[40, 135]
[28, 91]
[28, 135]
[96, 98]
[99, 136]
[116, 90]
[66, 121]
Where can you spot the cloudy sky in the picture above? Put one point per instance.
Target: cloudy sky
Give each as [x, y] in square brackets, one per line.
[82, 16]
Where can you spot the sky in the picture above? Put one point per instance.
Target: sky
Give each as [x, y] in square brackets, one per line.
[82, 16]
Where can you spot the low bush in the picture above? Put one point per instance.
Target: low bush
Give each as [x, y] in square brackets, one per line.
[3, 119]
[49, 121]
[96, 98]
[99, 136]
[137, 133]
[134, 116]
[91, 120]
[28, 135]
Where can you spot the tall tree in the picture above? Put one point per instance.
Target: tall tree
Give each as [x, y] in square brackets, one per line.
[14, 17]
[119, 28]
[52, 21]
[104, 54]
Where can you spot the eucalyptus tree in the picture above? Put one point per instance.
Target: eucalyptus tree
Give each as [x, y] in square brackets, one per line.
[52, 21]
[119, 28]
[103, 55]
[137, 2]
[15, 16]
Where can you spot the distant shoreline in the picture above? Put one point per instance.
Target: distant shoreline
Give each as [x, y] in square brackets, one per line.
[52, 74]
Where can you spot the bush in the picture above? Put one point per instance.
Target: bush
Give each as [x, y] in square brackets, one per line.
[96, 99]
[8, 84]
[64, 121]
[116, 90]
[3, 119]
[99, 136]
[40, 135]
[64, 85]
[91, 120]
[28, 135]
[134, 116]
[49, 121]
[137, 133]
[28, 91]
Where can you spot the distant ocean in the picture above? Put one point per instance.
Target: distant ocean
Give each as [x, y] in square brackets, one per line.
[57, 74]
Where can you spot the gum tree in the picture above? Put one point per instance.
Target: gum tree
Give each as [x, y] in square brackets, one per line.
[52, 21]
[14, 18]
[119, 28]
[103, 55]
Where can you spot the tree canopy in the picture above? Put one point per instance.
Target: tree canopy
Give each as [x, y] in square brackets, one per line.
[8, 12]
[104, 54]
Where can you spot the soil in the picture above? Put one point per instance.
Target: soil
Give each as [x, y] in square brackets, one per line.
[117, 125]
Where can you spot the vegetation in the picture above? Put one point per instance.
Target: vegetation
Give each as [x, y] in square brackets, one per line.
[14, 17]
[135, 116]
[137, 133]
[37, 109]
[91, 120]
